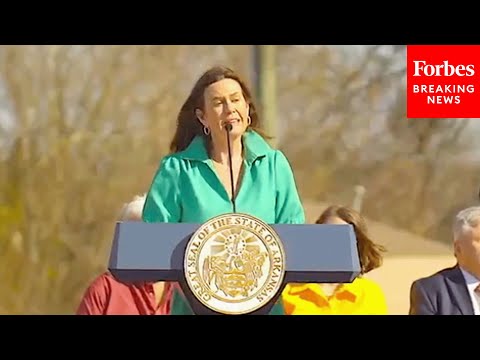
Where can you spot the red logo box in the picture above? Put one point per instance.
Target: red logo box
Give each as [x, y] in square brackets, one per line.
[443, 81]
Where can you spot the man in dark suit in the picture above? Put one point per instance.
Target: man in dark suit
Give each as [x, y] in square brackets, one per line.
[456, 290]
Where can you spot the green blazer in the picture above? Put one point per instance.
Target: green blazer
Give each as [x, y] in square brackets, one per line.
[180, 306]
[185, 188]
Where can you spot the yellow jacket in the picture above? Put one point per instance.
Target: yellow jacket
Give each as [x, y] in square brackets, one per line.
[361, 297]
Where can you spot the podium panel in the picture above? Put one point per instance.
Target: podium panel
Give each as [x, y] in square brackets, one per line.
[234, 263]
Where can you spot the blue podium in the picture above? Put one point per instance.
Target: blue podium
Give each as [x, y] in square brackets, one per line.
[234, 264]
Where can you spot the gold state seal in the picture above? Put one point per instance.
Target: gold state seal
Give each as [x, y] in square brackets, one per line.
[234, 263]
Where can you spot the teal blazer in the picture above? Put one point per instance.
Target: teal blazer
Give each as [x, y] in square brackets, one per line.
[180, 306]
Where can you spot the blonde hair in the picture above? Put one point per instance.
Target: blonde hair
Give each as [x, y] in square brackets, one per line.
[370, 253]
[133, 210]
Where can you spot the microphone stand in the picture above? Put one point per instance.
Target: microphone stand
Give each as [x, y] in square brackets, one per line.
[228, 128]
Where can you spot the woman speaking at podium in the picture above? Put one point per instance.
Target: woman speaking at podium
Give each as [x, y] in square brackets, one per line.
[220, 162]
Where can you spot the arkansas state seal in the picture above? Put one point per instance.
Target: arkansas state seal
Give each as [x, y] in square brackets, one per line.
[234, 264]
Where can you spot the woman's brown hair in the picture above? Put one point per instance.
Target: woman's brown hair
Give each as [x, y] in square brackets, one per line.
[370, 253]
[188, 125]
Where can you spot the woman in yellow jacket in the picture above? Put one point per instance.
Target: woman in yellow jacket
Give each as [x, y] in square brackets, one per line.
[361, 297]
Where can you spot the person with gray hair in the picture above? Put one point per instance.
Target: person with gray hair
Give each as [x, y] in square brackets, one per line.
[132, 211]
[108, 296]
[455, 290]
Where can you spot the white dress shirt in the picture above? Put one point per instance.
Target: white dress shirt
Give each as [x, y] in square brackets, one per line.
[472, 283]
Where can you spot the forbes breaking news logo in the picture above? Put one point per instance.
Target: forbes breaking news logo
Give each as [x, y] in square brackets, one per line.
[441, 81]
[438, 94]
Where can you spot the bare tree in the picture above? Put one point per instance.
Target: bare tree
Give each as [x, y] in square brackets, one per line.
[90, 126]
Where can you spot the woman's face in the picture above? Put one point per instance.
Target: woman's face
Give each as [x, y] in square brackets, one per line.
[224, 103]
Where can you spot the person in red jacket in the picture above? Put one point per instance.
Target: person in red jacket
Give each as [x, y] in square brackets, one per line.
[108, 296]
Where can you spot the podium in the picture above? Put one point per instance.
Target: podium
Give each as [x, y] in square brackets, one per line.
[233, 263]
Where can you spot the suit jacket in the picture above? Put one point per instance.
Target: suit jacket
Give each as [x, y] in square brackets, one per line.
[443, 293]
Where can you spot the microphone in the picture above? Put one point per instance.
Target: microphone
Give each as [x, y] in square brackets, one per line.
[228, 128]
